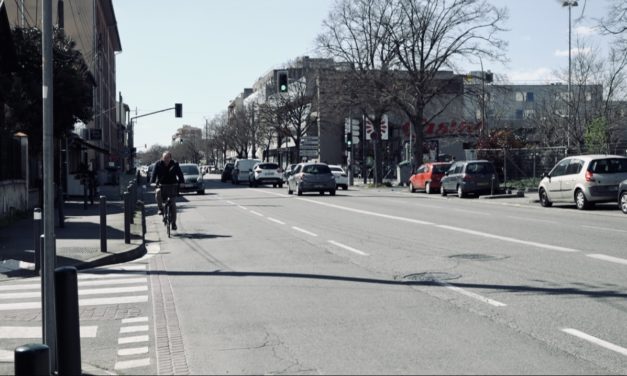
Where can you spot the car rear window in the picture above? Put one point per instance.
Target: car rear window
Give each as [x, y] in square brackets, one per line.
[268, 166]
[440, 169]
[189, 169]
[608, 166]
[480, 168]
[316, 169]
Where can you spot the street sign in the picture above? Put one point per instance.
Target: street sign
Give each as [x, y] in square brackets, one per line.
[355, 139]
[347, 124]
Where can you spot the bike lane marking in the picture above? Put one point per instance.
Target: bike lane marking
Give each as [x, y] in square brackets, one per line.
[597, 341]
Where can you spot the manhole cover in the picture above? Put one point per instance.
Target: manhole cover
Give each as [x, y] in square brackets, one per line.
[431, 277]
[476, 257]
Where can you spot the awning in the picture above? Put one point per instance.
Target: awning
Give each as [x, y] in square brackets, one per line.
[75, 139]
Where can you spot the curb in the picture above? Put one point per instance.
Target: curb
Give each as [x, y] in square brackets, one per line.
[113, 258]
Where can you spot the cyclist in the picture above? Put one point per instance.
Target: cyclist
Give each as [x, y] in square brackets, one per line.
[167, 175]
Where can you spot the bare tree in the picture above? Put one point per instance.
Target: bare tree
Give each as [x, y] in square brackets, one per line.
[615, 23]
[434, 35]
[359, 33]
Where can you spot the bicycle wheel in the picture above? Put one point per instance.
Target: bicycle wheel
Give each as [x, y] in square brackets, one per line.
[168, 219]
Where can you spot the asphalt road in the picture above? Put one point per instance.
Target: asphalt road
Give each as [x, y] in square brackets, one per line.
[386, 282]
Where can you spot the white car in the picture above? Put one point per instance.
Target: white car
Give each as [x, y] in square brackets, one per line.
[266, 173]
[341, 178]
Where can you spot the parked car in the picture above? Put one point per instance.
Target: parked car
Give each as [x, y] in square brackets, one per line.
[241, 168]
[311, 177]
[288, 171]
[584, 180]
[427, 177]
[622, 196]
[193, 179]
[470, 177]
[266, 173]
[341, 178]
[226, 172]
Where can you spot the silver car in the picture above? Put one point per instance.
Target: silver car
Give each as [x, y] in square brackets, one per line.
[311, 177]
[584, 180]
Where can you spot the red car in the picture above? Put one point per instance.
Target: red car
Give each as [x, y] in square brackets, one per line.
[428, 176]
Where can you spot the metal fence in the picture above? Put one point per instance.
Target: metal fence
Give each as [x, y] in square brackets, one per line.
[523, 167]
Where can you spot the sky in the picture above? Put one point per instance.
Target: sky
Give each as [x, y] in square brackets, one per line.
[203, 53]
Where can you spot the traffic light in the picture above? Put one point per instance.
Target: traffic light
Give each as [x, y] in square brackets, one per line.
[349, 138]
[178, 110]
[282, 81]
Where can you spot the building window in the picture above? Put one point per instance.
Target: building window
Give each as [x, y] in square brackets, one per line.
[519, 114]
[529, 97]
[588, 96]
[528, 114]
[520, 96]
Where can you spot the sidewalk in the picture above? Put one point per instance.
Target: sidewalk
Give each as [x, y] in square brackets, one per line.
[78, 242]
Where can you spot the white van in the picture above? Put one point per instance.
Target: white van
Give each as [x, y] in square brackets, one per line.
[241, 169]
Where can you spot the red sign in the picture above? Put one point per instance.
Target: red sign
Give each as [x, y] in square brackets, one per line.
[444, 129]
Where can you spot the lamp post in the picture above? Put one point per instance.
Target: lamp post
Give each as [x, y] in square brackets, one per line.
[570, 4]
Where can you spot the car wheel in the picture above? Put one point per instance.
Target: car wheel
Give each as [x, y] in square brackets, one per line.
[411, 187]
[280, 185]
[201, 192]
[345, 187]
[581, 201]
[321, 193]
[250, 183]
[460, 192]
[442, 191]
[544, 199]
[332, 192]
[428, 188]
[623, 202]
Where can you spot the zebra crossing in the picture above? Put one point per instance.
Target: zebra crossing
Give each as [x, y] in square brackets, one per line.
[106, 295]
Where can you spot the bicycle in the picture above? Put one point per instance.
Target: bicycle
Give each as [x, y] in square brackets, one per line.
[167, 206]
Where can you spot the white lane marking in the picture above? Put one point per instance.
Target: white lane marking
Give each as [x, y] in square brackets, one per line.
[133, 320]
[133, 351]
[508, 239]
[603, 228]
[276, 221]
[459, 229]
[135, 339]
[348, 248]
[472, 295]
[608, 258]
[7, 356]
[596, 341]
[112, 290]
[115, 268]
[28, 286]
[126, 364]
[530, 219]
[114, 300]
[242, 207]
[410, 220]
[20, 295]
[230, 202]
[122, 281]
[304, 231]
[134, 329]
[256, 213]
[21, 332]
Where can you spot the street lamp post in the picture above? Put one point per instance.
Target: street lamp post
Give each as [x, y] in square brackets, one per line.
[569, 4]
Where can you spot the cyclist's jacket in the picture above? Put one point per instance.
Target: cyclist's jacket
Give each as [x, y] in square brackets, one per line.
[167, 174]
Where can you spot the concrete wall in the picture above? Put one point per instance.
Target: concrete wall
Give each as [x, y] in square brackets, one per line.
[13, 197]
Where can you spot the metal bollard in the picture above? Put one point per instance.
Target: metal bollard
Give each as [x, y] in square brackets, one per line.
[142, 207]
[127, 222]
[103, 223]
[133, 200]
[36, 235]
[32, 359]
[68, 329]
[60, 203]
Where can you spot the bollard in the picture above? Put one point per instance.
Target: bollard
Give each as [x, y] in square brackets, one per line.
[68, 329]
[103, 223]
[60, 202]
[36, 235]
[142, 207]
[492, 189]
[132, 201]
[32, 359]
[127, 223]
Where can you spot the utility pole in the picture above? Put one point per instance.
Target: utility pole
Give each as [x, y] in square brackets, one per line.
[49, 251]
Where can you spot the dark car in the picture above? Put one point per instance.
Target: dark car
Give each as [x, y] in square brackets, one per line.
[470, 177]
[226, 172]
[622, 196]
[311, 177]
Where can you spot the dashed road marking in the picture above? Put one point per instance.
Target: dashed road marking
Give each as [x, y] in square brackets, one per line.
[276, 221]
[134, 339]
[616, 260]
[304, 231]
[351, 249]
[596, 341]
[126, 364]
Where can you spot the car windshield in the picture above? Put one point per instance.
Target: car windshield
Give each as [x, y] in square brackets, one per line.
[268, 166]
[189, 169]
[608, 166]
[440, 169]
[480, 168]
[316, 169]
